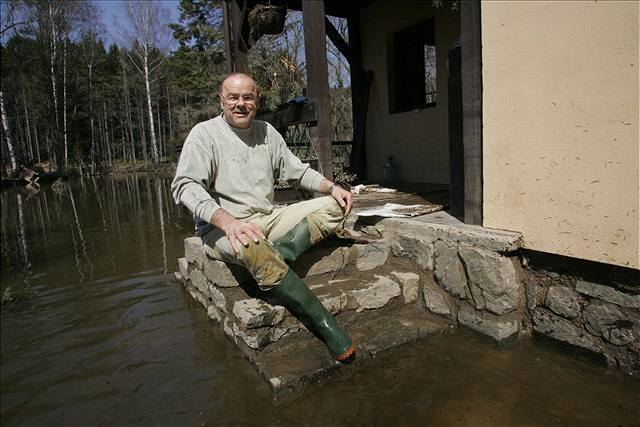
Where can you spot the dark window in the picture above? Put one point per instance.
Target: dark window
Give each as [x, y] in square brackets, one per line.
[412, 73]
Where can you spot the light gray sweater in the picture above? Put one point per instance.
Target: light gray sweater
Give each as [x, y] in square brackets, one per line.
[238, 166]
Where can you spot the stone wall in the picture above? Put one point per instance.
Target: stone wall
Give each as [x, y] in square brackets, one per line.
[470, 275]
[474, 276]
[594, 317]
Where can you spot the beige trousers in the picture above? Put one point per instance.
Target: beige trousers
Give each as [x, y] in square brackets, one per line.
[263, 262]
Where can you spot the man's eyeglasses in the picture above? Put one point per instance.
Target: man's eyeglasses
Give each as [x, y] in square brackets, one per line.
[232, 99]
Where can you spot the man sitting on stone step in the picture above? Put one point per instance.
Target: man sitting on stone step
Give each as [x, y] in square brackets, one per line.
[239, 159]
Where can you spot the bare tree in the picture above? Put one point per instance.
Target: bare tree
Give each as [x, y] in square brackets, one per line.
[148, 32]
[5, 128]
[88, 49]
[55, 22]
[12, 17]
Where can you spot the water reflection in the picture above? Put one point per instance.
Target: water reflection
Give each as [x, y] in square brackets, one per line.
[85, 224]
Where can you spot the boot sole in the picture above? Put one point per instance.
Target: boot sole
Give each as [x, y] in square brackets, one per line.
[347, 354]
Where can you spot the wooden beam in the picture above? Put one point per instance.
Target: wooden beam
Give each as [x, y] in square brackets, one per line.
[470, 36]
[337, 8]
[339, 42]
[359, 101]
[358, 159]
[456, 147]
[292, 115]
[236, 58]
[228, 38]
[315, 47]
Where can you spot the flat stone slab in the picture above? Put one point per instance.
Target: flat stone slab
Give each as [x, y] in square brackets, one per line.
[443, 226]
[303, 359]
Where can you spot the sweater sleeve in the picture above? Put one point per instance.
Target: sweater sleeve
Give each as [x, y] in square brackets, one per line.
[194, 175]
[290, 168]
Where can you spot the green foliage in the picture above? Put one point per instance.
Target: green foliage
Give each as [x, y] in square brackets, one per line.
[198, 67]
[200, 26]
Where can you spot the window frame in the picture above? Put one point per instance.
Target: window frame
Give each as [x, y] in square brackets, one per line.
[399, 47]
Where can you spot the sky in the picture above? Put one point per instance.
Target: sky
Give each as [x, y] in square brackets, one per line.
[113, 11]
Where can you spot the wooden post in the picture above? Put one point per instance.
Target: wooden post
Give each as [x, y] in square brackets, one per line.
[358, 161]
[236, 59]
[470, 35]
[315, 47]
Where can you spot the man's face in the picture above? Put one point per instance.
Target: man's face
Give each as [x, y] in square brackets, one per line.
[239, 101]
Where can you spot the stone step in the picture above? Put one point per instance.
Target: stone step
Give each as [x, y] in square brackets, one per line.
[259, 321]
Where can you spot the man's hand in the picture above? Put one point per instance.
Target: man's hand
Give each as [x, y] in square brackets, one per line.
[237, 230]
[344, 198]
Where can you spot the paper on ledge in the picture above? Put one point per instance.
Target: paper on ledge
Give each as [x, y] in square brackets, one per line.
[394, 210]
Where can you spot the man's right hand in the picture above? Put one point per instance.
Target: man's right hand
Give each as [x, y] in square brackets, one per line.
[236, 230]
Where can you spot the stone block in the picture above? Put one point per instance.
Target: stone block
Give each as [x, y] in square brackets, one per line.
[217, 297]
[449, 229]
[194, 250]
[498, 328]
[535, 294]
[449, 270]
[332, 262]
[183, 267]
[416, 248]
[284, 329]
[562, 329]
[373, 230]
[376, 294]
[371, 255]
[607, 321]
[493, 280]
[219, 273]
[276, 383]
[214, 313]
[564, 301]
[202, 299]
[254, 313]
[608, 294]
[228, 327]
[255, 339]
[199, 281]
[409, 282]
[435, 298]
[334, 302]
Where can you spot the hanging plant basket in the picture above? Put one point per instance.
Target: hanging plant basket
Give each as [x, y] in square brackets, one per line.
[266, 19]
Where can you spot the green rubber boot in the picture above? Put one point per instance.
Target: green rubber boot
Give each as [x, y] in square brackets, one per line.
[295, 242]
[295, 295]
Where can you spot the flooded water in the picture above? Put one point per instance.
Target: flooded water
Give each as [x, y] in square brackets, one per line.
[97, 332]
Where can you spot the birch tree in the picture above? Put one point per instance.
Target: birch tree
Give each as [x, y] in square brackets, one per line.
[146, 20]
[88, 49]
[7, 137]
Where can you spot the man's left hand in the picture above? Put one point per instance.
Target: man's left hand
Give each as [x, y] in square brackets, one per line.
[344, 198]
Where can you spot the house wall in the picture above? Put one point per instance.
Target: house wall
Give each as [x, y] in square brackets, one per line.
[560, 117]
[418, 139]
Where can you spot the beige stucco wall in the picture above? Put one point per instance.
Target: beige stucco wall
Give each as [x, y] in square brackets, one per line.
[418, 139]
[560, 136]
